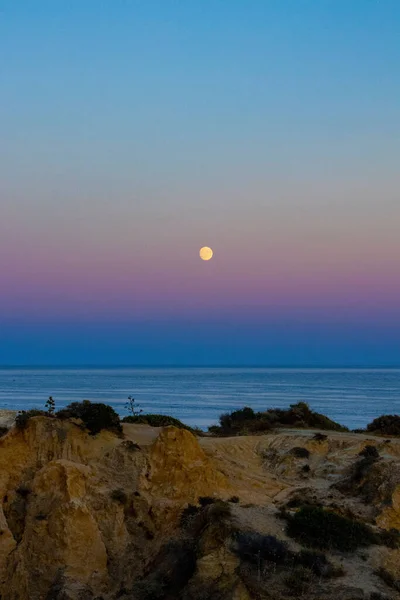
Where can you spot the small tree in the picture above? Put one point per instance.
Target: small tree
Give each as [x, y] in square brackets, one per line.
[50, 405]
[133, 408]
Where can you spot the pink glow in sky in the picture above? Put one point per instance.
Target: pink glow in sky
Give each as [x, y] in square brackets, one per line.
[133, 134]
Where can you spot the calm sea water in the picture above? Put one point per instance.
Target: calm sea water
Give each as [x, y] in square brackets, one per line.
[198, 396]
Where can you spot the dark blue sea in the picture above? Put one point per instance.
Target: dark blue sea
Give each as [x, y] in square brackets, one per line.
[198, 396]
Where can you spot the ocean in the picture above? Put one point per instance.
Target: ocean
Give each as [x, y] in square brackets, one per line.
[197, 396]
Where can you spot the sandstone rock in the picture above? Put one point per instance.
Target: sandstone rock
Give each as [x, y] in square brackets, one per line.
[82, 517]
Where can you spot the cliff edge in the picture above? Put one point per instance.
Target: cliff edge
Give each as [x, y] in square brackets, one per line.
[118, 516]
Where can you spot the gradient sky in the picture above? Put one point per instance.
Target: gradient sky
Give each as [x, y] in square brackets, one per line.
[134, 132]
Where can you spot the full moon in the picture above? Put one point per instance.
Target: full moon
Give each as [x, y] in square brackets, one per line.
[206, 253]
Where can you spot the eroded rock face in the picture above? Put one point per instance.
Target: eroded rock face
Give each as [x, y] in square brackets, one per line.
[87, 517]
[179, 472]
[58, 513]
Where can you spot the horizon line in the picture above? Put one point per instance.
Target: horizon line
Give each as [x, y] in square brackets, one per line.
[195, 366]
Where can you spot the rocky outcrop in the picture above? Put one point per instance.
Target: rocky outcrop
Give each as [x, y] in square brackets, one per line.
[85, 517]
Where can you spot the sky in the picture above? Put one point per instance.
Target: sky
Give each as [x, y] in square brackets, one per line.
[134, 132]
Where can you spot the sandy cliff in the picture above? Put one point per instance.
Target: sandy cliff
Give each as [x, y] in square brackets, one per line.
[99, 516]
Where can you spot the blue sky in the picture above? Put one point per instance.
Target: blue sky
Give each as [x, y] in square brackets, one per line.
[133, 132]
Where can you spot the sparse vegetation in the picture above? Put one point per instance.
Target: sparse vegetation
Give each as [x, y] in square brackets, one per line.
[243, 421]
[22, 418]
[50, 405]
[119, 496]
[316, 561]
[390, 538]
[206, 500]
[300, 452]
[234, 499]
[131, 446]
[188, 514]
[23, 491]
[253, 547]
[219, 510]
[157, 421]
[170, 571]
[388, 578]
[256, 549]
[315, 526]
[299, 581]
[95, 416]
[320, 437]
[385, 425]
[369, 451]
[132, 407]
[246, 421]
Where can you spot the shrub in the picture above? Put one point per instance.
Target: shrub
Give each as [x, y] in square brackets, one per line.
[149, 589]
[243, 420]
[300, 452]
[119, 496]
[369, 451]
[206, 500]
[361, 468]
[169, 572]
[390, 538]
[95, 416]
[131, 446]
[246, 420]
[299, 581]
[3, 431]
[316, 561]
[188, 514]
[23, 491]
[132, 407]
[252, 547]
[385, 425]
[234, 499]
[320, 437]
[388, 578]
[157, 421]
[22, 418]
[315, 526]
[50, 405]
[306, 468]
[219, 510]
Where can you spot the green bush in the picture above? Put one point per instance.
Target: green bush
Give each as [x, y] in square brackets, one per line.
[243, 421]
[299, 581]
[246, 421]
[385, 425]
[219, 511]
[390, 538]
[320, 437]
[169, 572]
[119, 496]
[369, 451]
[95, 416]
[315, 526]
[388, 578]
[22, 418]
[157, 421]
[253, 547]
[23, 491]
[206, 500]
[188, 515]
[300, 452]
[361, 468]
